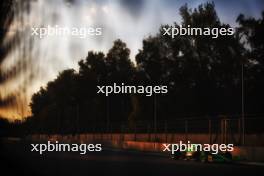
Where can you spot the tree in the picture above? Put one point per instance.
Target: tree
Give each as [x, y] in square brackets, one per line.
[202, 72]
[250, 32]
[203, 75]
[71, 103]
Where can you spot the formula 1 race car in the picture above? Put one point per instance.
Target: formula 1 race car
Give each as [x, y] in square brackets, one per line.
[203, 156]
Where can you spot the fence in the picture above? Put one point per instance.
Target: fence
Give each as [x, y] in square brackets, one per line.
[202, 130]
[209, 130]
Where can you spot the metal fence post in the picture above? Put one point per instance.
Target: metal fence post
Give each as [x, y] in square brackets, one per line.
[222, 130]
[226, 136]
[239, 130]
[165, 130]
[135, 132]
[186, 130]
[209, 130]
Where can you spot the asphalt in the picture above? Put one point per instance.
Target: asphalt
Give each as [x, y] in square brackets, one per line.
[17, 159]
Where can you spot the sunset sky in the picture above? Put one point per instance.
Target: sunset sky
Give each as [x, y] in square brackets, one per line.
[41, 59]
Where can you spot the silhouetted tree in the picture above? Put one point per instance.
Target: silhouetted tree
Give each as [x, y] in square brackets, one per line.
[203, 75]
[202, 72]
[250, 32]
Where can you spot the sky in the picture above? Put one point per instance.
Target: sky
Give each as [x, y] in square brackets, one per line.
[40, 60]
